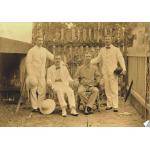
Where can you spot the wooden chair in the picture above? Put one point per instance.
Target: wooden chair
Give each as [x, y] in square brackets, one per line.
[51, 94]
[79, 102]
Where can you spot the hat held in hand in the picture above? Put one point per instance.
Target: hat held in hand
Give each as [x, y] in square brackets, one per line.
[118, 71]
[47, 106]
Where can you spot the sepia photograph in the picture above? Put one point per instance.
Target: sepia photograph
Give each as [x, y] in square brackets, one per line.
[74, 74]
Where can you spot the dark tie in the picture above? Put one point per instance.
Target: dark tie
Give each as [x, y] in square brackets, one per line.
[108, 47]
[57, 68]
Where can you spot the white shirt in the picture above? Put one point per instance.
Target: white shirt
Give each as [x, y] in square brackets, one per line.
[110, 58]
[36, 61]
[64, 75]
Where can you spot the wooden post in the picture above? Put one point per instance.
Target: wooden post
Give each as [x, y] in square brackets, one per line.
[78, 34]
[62, 34]
[73, 34]
[54, 49]
[98, 29]
[90, 32]
[84, 34]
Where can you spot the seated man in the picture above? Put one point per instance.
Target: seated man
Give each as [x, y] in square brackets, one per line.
[58, 78]
[86, 76]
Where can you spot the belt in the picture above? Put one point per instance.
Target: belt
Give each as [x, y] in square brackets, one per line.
[58, 80]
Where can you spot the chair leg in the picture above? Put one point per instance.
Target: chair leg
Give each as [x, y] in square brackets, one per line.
[98, 104]
[78, 102]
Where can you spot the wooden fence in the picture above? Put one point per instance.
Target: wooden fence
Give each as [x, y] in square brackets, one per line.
[138, 71]
[74, 56]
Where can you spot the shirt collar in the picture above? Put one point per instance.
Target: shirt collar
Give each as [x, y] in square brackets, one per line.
[87, 66]
[37, 47]
[57, 67]
[109, 46]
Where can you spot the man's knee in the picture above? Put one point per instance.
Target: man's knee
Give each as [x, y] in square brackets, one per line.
[68, 89]
[69, 92]
[81, 91]
[58, 91]
[95, 90]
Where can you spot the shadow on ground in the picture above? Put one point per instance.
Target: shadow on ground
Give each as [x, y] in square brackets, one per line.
[24, 118]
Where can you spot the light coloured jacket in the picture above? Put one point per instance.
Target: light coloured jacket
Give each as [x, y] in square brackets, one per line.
[64, 75]
[36, 61]
[110, 58]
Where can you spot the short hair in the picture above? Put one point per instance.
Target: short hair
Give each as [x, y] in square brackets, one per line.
[57, 55]
[108, 35]
[37, 37]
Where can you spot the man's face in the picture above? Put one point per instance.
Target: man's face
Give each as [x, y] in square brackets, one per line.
[57, 60]
[87, 58]
[93, 52]
[108, 41]
[39, 42]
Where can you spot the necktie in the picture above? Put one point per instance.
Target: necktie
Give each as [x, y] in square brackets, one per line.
[57, 68]
[108, 47]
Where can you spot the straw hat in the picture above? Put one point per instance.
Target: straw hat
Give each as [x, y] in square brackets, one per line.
[47, 106]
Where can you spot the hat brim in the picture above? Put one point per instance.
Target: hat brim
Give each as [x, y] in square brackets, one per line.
[50, 107]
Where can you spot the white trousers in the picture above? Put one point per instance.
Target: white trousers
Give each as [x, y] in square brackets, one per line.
[38, 93]
[111, 90]
[61, 89]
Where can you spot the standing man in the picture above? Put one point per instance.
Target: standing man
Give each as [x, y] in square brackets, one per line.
[87, 76]
[59, 79]
[110, 57]
[36, 70]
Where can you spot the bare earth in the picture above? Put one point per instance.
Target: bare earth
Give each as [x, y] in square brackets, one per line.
[24, 118]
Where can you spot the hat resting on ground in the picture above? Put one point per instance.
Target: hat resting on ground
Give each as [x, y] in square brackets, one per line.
[47, 106]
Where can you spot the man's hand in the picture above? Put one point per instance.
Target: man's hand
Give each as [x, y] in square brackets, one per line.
[101, 83]
[123, 72]
[71, 84]
[49, 85]
[75, 83]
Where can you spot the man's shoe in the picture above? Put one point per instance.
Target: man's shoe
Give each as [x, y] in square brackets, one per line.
[86, 111]
[35, 110]
[90, 110]
[73, 112]
[64, 113]
[115, 110]
[108, 108]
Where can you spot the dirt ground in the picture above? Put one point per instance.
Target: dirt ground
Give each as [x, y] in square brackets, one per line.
[24, 118]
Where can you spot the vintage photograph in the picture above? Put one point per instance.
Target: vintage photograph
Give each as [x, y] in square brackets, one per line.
[74, 74]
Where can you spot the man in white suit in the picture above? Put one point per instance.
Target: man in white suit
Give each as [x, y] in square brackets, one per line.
[59, 79]
[36, 64]
[110, 57]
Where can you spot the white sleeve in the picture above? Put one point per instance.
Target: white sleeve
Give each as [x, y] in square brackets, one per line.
[97, 59]
[49, 76]
[29, 62]
[68, 75]
[49, 55]
[121, 59]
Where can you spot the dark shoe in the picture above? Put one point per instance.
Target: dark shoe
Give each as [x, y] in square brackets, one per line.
[115, 110]
[35, 110]
[75, 114]
[90, 110]
[86, 111]
[108, 108]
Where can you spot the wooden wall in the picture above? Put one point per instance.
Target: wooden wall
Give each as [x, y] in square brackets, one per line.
[137, 73]
[138, 69]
